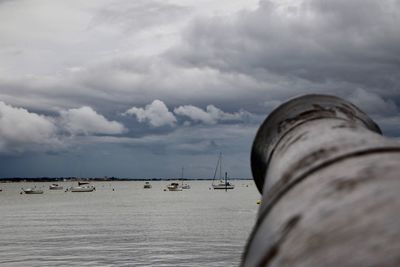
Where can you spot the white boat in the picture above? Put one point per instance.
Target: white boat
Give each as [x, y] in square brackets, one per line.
[184, 186]
[223, 184]
[55, 187]
[86, 188]
[29, 191]
[147, 185]
[174, 187]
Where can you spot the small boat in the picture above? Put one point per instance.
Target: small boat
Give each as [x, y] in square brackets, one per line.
[223, 184]
[174, 187]
[147, 185]
[55, 187]
[86, 188]
[29, 191]
[184, 186]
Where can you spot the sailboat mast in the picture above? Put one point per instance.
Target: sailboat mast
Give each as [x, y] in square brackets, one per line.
[182, 175]
[220, 165]
[226, 184]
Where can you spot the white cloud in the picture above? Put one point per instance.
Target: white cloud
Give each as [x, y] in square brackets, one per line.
[21, 130]
[195, 113]
[156, 114]
[211, 115]
[85, 120]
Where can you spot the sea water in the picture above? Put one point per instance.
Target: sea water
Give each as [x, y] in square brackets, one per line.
[122, 224]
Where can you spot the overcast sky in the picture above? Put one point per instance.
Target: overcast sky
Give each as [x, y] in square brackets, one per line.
[143, 88]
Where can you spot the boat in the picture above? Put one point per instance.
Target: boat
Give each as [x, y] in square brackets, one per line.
[222, 184]
[147, 185]
[184, 186]
[55, 187]
[174, 187]
[29, 191]
[85, 188]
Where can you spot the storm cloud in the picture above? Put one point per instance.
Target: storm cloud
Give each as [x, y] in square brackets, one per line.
[162, 78]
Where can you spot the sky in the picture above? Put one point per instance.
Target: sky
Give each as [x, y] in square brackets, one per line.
[142, 88]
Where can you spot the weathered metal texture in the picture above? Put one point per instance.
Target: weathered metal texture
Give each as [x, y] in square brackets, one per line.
[330, 185]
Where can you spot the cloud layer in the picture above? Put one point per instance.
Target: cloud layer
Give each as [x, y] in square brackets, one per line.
[156, 114]
[85, 120]
[183, 71]
[211, 115]
[21, 130]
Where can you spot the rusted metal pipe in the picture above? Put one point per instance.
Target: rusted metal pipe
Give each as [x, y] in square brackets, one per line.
[331, 188]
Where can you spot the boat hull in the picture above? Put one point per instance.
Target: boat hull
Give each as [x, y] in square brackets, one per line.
[33, 192]
[174, 189]
[56, 187]
[222, 187]
[82, 189]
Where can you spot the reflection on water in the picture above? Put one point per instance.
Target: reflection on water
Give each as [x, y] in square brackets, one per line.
[130, 226]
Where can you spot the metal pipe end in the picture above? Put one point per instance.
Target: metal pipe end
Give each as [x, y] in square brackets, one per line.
[295, 112]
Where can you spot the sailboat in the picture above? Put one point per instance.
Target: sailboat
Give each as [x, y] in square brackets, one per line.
[184, 186]
[223, 184]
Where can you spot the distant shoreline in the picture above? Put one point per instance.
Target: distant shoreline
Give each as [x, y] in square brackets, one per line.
[111, 179]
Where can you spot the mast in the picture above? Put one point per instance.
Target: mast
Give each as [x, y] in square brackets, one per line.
[226, 184]
[216, 168]
[220, 165]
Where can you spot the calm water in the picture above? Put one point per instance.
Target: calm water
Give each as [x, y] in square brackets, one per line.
[130, 226]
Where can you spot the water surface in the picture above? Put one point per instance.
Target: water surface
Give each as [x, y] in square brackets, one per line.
[129, 226]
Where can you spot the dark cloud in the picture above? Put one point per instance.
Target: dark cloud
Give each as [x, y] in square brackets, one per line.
[318, 41]
[333, 47]
[214, 86]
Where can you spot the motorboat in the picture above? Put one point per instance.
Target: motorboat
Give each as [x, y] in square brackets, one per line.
[29, 191]
[85, 188]
[147, 185]
[174, 187]
[55, 187]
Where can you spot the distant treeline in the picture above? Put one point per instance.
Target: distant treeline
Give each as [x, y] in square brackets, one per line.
[60, 179]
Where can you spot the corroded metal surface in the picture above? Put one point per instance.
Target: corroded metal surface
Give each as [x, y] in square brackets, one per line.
[330, 185]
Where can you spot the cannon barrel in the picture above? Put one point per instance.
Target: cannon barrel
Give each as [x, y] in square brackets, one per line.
[330, 185]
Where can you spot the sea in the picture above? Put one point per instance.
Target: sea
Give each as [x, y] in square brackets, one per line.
[122, 224]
